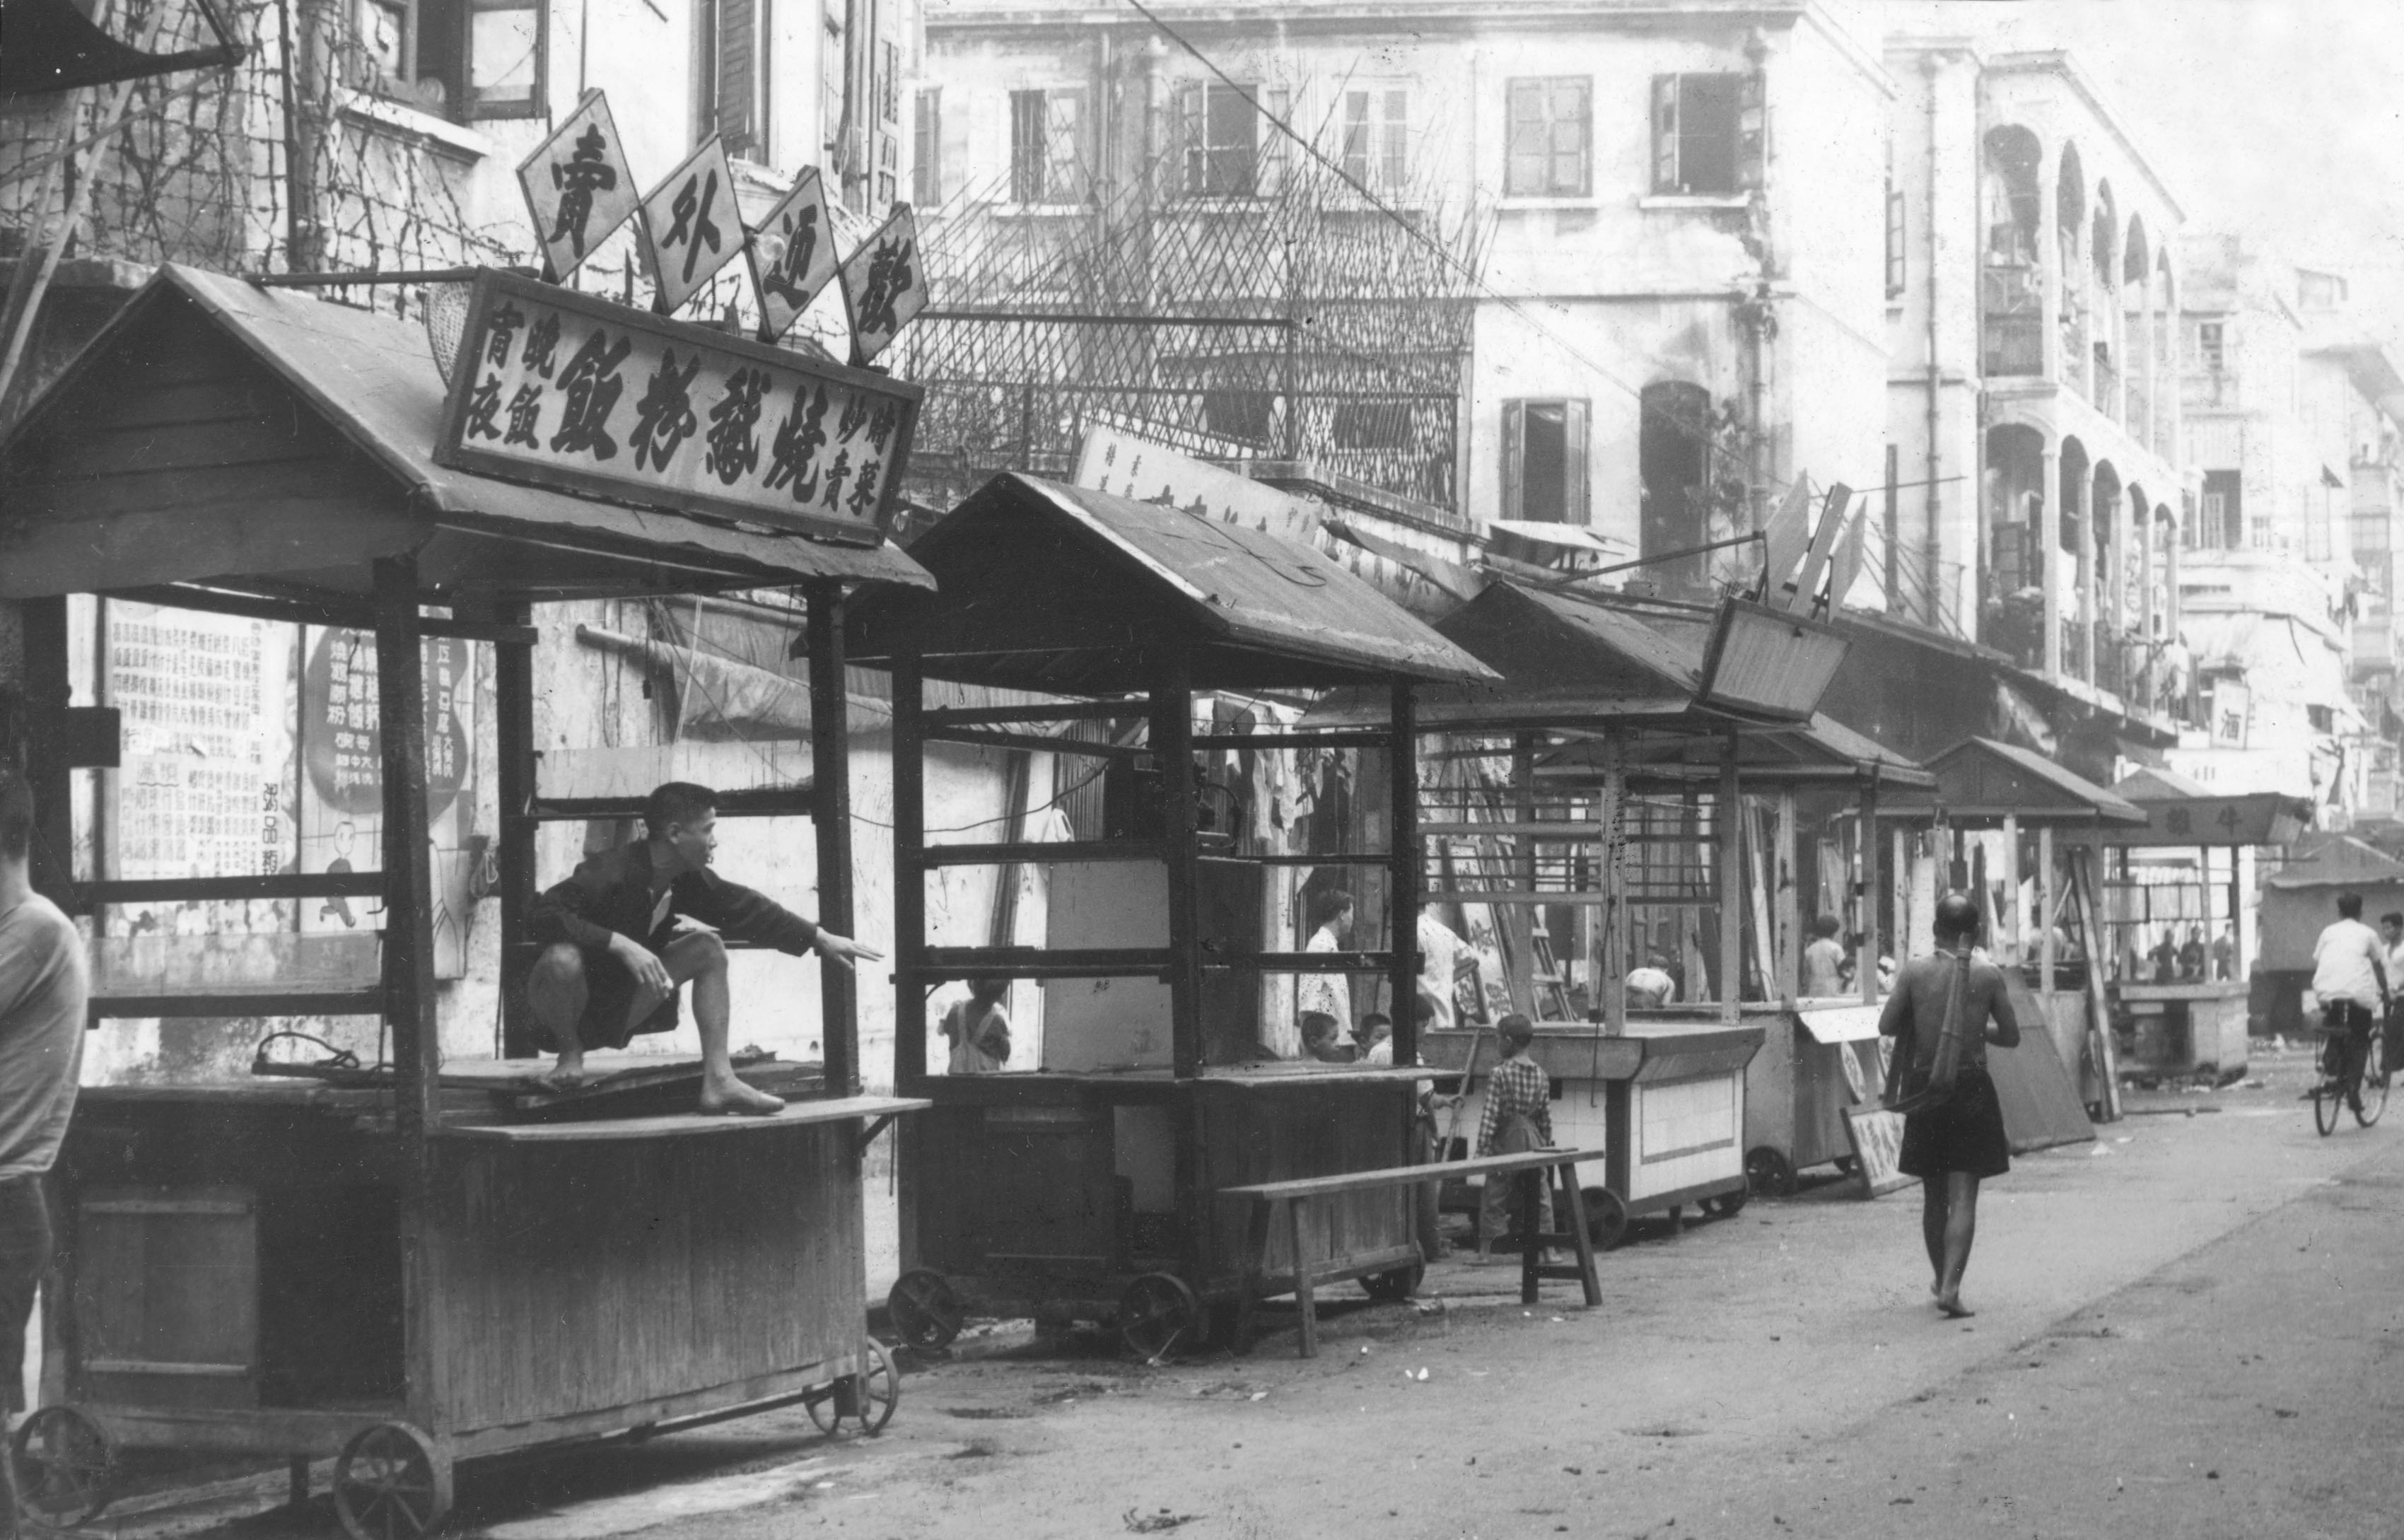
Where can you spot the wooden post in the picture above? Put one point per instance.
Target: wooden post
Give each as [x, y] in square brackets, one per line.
[909, 877]
[514, 736]
[46, 694]
[2011, 937]
[408, 886]
[830, 813]
[2236, 916]
[1404, 773]
[1866, 965]
[1172, 743]
[1726, 823]
[1611, 957]
[2045, 903]
[1788, 905]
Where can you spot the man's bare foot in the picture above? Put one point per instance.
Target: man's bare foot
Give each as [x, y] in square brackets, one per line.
[1952, 1307]
[567, 1074]
[731, 1097]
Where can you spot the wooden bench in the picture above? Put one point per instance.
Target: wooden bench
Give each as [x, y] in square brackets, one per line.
[1267, 1198]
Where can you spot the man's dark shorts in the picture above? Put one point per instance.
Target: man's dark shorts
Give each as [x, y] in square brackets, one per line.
[24, 1256]
[1965, 1134]
[608, 989]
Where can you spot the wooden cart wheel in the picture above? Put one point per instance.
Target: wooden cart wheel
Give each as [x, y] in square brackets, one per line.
[826, 1411]
[391, 1483]
[1394, 1284]
[878, 1389]
[1157, 1315]
[1846, 1165]
[1606, 1217]
[925, 1310]
[66, 1468]
[1726, 1205]
[1769, 1173]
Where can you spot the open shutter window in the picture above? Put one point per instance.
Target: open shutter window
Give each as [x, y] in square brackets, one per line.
[1190, 140]
[1526, 147]
[737, 66]
[1572, 135]
[1270, 146]
[1573, 463]
[506, 59]
[927, 148]
[1514, 448]
[1752, 133]
[1665, 133]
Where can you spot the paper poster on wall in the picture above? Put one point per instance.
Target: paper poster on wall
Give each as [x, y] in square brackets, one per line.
[204, 789]
[342, 784]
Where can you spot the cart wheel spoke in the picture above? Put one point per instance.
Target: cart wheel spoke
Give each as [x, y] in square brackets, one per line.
[1157, 1313]
[66, 1467]
[391, 1483]
[925, 1308]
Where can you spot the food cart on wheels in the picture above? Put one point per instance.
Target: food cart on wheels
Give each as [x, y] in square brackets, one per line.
[1086, 1178]
[1615, 759]
[397, 1271]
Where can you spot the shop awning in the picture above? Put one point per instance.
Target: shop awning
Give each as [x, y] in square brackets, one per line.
[2181, 812]
[54, 47]
[1981, 781]
[219, 433]
[1060, 588]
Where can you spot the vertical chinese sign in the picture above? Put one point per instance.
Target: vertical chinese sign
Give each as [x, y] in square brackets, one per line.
[342, 784]
[562, 389]
[883, 285]
[578, 184]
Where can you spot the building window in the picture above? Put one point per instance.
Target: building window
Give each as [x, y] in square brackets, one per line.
[733, 100]
[2222, 525]
[464, 59]
[1550, 138]
[1545, 461]
[1229, 151]
[888, 82]
[1674, 462]
[1046, 157]
[927, 148]
[2211, 349]
[1708, 138]
[1895, 239]
[1376, 136]
[1372, 425]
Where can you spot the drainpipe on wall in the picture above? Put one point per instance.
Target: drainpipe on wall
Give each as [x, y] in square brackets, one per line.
[1757, 316]
[1934, 541]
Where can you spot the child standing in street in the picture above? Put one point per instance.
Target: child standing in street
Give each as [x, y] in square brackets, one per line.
[1518, 1117]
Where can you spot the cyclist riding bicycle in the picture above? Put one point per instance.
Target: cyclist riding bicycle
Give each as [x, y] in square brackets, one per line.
[2349, 978]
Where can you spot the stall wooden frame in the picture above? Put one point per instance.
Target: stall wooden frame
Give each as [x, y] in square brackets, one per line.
[400, 1276]
[1019, 1188]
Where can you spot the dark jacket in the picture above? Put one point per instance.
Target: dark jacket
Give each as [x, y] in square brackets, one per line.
[610, 894]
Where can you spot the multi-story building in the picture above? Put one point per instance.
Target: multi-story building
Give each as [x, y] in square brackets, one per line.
[1679, 308]
[2269, 586]
[2034, 483]
[2375, 451]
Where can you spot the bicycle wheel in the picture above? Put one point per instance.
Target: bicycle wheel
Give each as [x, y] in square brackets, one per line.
[2371, 1091]
[2328, 1105]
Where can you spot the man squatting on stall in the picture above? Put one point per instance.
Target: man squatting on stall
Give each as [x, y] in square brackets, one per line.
[632, 924]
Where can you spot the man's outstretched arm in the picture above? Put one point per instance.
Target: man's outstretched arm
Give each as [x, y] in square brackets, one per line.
[750, 916]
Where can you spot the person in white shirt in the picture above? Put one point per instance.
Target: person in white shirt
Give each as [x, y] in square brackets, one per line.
[1824, 961]
[1650, 985]
[2391, 931]
[1330, 994]
[2350, 980]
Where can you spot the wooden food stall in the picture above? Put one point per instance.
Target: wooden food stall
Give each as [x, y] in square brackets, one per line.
[1088, 1186]
[2197, 1021]
[1626, 730]
[402, 1275]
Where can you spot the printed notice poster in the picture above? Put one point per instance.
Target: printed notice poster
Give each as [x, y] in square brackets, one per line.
[342, 784]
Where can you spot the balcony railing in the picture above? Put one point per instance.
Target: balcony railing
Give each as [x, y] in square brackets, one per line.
[2105, 390]
[2015, 344]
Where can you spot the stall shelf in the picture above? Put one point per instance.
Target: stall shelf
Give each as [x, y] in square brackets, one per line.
[1089, 1187]
[401, 1277]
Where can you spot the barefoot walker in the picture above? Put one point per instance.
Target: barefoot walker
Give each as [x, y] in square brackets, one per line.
[1946, 1008]
[632, 924]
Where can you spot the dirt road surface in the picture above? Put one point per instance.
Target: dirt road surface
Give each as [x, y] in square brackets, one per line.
[2190, 1328]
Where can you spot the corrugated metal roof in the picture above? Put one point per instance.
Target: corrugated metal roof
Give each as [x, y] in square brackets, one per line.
[1053, 587]
[372, 379]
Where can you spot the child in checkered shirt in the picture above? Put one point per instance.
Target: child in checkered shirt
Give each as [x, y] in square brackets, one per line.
[1518, 1117]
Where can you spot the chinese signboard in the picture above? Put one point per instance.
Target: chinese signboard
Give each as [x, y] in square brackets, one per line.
[2256, 818]
[691, 227]
[578, 184]
[883, 285]
[793, 256]
[203, 784]
[563, 390]
[1110, 460]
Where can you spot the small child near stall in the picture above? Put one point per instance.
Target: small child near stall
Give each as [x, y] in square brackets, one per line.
[978, 1030]
[1319, 1035]
[1518, 1117]
[1377, 1037]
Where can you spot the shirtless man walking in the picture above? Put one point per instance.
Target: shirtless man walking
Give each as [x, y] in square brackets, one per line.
[1954, 1146]
[632, 924]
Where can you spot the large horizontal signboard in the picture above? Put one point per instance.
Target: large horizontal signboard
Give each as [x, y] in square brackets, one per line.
[563, 390]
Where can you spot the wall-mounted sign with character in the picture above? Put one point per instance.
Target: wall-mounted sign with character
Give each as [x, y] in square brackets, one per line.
[793, 256]
[578, 184]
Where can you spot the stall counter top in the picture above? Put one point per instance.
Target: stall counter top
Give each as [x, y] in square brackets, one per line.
[2194, 989]
[796, 1114]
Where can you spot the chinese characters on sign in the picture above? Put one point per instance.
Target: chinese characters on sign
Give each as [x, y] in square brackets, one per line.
[793, 256]
[883, 285]
[578, 184]
[691, 225]
[201, 783]
[566, 390]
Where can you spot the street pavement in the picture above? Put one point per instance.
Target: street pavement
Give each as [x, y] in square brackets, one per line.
[2189, 1328]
